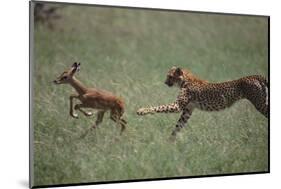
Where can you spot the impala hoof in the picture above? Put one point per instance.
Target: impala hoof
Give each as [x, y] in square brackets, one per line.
[74, 116]
[89, 113]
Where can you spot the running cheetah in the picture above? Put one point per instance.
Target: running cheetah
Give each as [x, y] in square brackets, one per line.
[200, 94]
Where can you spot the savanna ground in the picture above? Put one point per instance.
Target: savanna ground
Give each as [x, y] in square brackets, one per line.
[128, 52]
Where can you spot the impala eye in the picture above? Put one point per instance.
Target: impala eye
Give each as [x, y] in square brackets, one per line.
[64, 77]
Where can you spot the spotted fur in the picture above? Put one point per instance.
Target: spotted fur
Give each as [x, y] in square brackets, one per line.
[200, 94]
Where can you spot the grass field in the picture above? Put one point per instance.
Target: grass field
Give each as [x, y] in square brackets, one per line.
[128, 52]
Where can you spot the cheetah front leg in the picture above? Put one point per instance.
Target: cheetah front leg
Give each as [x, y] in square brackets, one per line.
[186, 114]
[170, 108]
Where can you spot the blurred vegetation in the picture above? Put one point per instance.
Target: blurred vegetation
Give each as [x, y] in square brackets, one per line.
[128, 52]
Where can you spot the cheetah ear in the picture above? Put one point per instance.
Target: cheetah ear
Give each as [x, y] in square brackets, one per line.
[179, 71]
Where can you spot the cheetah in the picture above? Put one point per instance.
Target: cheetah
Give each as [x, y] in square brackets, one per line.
[196, 93]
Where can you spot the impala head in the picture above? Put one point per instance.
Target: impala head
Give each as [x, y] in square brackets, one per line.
[67, 75]
[174, 77]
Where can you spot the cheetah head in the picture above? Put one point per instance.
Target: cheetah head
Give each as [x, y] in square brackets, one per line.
[174, 77]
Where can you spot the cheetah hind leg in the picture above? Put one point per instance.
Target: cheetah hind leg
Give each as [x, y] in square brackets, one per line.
[263, 108]
[258, 96]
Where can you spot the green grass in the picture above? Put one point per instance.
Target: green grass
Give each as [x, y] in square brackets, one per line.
[128, 52]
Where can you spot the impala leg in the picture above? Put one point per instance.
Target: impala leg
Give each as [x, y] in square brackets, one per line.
[71, 112]
[122, 124]
[79, 106]
[120, 121]
[123, 121]
[99, 119]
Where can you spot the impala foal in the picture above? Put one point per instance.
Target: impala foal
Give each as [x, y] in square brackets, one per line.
[92, 98]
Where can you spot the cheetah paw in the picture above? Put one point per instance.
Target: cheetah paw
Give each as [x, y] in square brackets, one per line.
[143, 111]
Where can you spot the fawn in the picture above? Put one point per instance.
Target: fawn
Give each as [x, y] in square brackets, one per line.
[92, 98]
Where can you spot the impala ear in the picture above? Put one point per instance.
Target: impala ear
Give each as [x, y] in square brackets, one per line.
[179, 71]
[74, 64]
[78, 66]
[75, 67]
